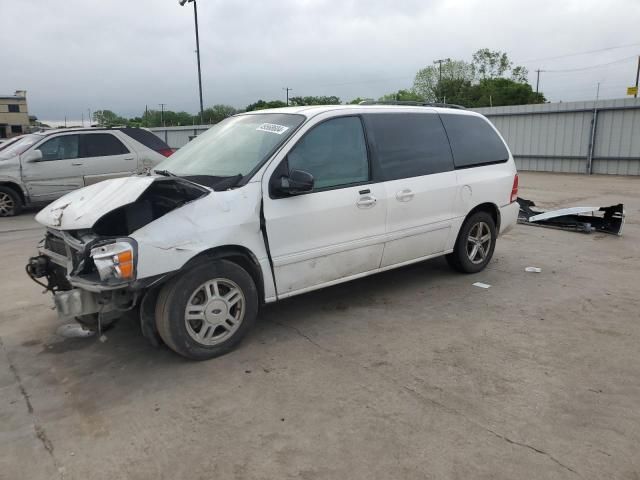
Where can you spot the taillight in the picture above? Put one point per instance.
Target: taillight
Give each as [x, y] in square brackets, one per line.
[514, 189]
[165, 151]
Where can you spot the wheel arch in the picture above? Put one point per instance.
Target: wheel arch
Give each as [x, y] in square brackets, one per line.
[237, 254]
[490, 208]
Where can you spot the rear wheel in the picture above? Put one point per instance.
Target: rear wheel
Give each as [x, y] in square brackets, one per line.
[475, 244]
[205, 312]
[10, 202]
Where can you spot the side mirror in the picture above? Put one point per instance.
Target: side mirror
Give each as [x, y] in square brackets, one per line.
[32, 156]
[298, 181]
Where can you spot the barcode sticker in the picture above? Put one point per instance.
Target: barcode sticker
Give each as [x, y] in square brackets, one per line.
[272, 128]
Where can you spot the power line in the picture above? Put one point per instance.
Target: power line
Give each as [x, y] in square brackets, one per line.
[580, 69]
[582, 53]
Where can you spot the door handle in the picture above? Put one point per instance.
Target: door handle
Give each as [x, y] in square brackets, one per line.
[76, 164]
[128, 158]
[405, 195]
[366, 201]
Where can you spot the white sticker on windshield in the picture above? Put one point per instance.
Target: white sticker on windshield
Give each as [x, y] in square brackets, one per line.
[272, 128]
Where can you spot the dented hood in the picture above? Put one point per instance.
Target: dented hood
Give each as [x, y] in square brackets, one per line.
[82, 208]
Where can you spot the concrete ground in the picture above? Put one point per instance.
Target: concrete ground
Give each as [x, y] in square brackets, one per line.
[410, 374]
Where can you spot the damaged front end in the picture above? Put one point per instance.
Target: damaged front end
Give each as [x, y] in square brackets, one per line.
[87, 259]
[576, 219]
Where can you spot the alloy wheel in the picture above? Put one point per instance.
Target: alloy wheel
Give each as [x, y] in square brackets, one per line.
[478, 242]
[7, 205]
[214, 311]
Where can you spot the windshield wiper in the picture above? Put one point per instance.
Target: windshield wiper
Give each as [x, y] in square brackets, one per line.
[227, 183]
[165, 173]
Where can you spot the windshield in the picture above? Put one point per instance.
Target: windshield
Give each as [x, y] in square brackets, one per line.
[237, 145]
[19, 146]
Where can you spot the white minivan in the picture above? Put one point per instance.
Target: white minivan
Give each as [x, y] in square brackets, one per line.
[274, 203]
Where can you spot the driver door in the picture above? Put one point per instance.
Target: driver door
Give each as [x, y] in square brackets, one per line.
[334, 232]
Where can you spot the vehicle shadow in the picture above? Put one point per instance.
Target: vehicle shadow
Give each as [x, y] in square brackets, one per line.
[89, 369]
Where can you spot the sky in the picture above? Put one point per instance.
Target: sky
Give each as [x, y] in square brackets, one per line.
[123, 55]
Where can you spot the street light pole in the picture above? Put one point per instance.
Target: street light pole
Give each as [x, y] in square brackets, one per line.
[195, 18]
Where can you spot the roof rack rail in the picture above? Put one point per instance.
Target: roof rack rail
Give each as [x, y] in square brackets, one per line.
[411, 103]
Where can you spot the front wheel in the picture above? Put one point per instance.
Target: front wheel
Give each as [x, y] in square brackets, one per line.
[10, 202]
[475, 244]
[205, 312]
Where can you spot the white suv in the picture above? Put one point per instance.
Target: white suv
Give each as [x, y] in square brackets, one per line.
[40, 167]
[275, 203]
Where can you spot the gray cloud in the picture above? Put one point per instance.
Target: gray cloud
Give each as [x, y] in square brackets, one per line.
[73, 55]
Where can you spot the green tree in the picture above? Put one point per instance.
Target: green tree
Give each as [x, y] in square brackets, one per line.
[490, 79]
[358, 100]
[502, 91]
[217, 113]
[311, 100]
[402, 96]
[428, 81]
[491, 63]
[107, 118]
[261, 105]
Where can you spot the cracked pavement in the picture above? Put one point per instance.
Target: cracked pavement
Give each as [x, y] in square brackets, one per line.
[410, 374]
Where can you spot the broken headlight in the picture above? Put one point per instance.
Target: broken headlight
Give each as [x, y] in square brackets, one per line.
[115, 261]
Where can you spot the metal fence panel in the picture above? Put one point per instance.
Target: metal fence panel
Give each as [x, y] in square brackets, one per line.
[556, 137]
[178, 137]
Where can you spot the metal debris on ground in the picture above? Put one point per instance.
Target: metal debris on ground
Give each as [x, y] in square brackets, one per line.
[74, 330]
[481, 285]
[533, 270]
[576, 219]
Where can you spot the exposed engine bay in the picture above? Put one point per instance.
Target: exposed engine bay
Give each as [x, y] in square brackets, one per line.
[159, 199]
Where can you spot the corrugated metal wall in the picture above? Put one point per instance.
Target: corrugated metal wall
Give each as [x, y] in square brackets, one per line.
[558, 137]
[177, 137]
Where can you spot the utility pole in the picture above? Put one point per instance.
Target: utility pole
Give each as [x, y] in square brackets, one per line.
[82, 119]
[637, 77]
[288, 90]
[598, 92]
[162, 113]
[89, 117]
[440, 62]
[538, 79]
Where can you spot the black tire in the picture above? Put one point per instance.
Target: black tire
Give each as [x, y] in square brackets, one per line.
[10, 202]
[178, 333]
[460, 259]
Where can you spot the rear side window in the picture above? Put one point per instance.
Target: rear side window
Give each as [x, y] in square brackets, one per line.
[473, 141]
[334, 152]
[102, 145]
[146, 138]
[409, 144]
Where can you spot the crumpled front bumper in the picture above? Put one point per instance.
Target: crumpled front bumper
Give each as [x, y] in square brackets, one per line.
[77, 302]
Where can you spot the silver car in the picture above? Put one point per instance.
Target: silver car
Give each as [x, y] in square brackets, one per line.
[41, 167]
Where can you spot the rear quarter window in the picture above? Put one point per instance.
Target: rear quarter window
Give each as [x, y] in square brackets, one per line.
[409, 144]
[146, 138]
[473, 141]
